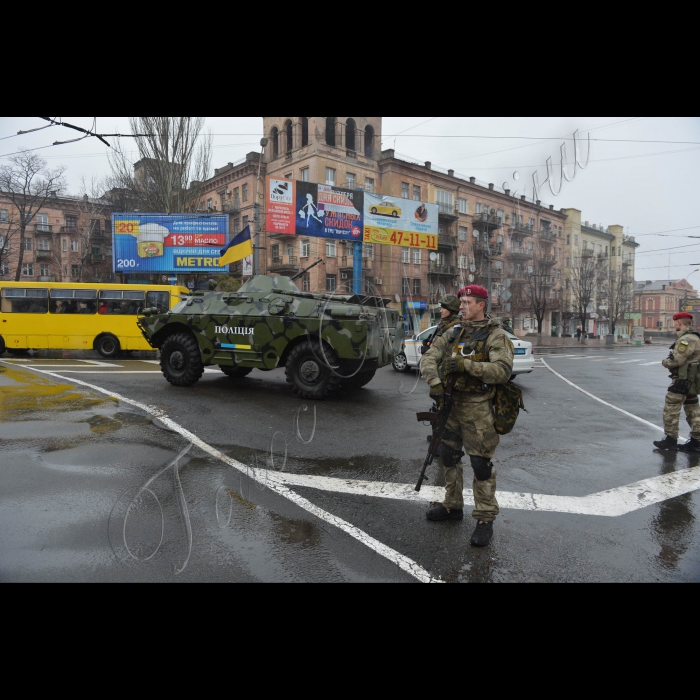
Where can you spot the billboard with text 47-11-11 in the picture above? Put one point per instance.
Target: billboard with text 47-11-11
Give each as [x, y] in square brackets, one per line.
[400, 222]
[159, 243]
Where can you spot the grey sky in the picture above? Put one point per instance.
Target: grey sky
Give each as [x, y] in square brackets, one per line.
[645, 187]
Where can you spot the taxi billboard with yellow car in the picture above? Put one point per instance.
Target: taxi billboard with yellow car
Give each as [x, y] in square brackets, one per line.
[400, 222]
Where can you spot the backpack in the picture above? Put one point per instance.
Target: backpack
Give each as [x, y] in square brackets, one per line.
[507, 406]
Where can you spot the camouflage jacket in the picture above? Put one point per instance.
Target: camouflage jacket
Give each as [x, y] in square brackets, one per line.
[496, 367]
[686, 351]
[443, 328]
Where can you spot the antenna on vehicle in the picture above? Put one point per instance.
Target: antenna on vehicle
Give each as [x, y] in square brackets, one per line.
[303, 272]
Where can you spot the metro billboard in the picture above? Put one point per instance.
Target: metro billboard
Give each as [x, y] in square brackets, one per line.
[160, 243]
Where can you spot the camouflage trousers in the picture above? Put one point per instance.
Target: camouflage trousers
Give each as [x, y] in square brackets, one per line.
[475, 423]
[672, 414]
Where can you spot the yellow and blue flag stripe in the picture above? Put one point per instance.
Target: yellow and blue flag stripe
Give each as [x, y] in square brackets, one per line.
[239, 248]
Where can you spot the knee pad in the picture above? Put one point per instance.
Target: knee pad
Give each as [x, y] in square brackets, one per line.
[483, 468]
[692, 401]
[450, 458]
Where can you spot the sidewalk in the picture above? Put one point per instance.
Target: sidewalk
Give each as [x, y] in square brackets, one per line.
[548, 342]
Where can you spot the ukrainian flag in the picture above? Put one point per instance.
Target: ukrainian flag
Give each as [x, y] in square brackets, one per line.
[239, 248]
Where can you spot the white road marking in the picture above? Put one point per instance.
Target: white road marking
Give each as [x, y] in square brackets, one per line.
[605, 403]
[627, 362]
[266, 478]
[651, 364]
[103, 373]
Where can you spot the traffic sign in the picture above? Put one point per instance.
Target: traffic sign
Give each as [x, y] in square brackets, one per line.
[507, 295]
[507, 283]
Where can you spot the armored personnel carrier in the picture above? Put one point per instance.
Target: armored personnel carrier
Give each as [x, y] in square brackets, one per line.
[325, 342]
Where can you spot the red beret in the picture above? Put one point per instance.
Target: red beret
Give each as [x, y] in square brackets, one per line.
[684, 317]
[473, 291]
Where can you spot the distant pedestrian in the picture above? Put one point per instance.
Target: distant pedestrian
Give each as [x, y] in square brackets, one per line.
[578, 334]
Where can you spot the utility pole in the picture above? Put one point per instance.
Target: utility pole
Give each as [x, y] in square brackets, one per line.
[256, 212]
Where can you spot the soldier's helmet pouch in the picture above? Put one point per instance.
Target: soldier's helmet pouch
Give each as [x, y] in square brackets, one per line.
[507, 406]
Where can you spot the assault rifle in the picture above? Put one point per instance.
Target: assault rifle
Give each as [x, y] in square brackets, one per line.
[439, 419]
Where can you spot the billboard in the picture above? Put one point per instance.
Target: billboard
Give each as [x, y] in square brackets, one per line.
[691, 306]
[308, 209]
[402, 222]
[159, 243]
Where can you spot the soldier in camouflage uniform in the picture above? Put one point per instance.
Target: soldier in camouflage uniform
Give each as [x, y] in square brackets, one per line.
[684, 363]
[450, 318]
[481, 354]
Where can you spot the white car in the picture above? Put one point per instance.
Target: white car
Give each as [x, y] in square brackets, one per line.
[411, 357]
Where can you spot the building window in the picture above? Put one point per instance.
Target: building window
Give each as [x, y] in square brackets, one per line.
[330, 176]
[416, 288]
[369, 251]
[306, 175]
[29, 244]
[71, 222]
[246, 222]
[568, 239]
[331, 249]
[304, 132]
[42, 244]
[75, 246]
[288, 176]
[350, 181]
[445, 201]
[44, 270]
[289, 129]
[478, 207]
[331, 283]
[5, 216]
[237, 226]
[28, 270]
[210, 203]
[463, 205]
[350, 134]
[463, 234]
[463, 262]
[330, 130]
[406, 287]
[306, 283]
[406, 190]
[4, 269]
[369, 142]
[2, 243]
[568, 262]
[74, 270]
[576, 240]
[369, 185]
[417, 255]
[275, 252]
[305, 249]
[406, 255]
[275, 138]
[245, 193]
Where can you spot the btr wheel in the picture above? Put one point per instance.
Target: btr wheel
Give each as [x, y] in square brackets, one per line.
[236, 372]
[180, 360]
[309, 371]
[401, 363]
[108, 346]
[359, 381]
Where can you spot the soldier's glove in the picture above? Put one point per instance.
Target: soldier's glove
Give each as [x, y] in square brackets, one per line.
[437, 394]
[458, 365]
[680, 386]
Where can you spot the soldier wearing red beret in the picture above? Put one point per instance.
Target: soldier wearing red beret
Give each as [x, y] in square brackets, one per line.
[479, 351]
[684, 363]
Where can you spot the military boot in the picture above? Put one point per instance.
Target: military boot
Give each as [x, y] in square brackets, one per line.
[693, 446]
[482, 535]
[668, 443]
[439, 514]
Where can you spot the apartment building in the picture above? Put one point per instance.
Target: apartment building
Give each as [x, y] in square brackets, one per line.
[487, 235]
[611, 256]
[659, 301]
[69, 240]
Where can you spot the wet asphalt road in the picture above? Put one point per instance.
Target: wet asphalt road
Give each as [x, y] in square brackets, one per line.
[79, 501]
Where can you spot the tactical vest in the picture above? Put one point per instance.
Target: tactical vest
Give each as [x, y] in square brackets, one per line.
[473, 349]
[690, 372]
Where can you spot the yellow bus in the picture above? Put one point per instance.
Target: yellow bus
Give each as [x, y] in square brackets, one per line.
[64, 316]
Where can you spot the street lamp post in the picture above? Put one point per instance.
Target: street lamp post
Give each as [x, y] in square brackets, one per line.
[256, 212]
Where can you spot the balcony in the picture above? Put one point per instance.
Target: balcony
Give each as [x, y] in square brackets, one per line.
[447, 240]
[43, 255]
[587, 253]
[493, 250]
[98, 234]
[447, 211]
[522, 230]
[284, 264]
[69, 229]
[231, 207]
[487, 222]
[436, 269]
[43, 229]
[98, 257]
[347, 264]
[548, 235]
[521, 253]
[627, 263]
[547, 261]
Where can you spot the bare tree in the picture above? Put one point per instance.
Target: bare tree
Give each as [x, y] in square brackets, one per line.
[584, 278]
[536, 290]
[9, 232]
[28, 183]
[617, 293]
[174, 161]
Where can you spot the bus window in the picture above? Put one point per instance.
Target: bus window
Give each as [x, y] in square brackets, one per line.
[24, 301]
[73, 301]
[158, 300]
[121, 303]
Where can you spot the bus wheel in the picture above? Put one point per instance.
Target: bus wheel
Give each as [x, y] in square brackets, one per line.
[108, 346]
[2, 346]
[180, 360]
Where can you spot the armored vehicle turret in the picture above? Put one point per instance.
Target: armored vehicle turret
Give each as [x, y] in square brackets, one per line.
[324, 342]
